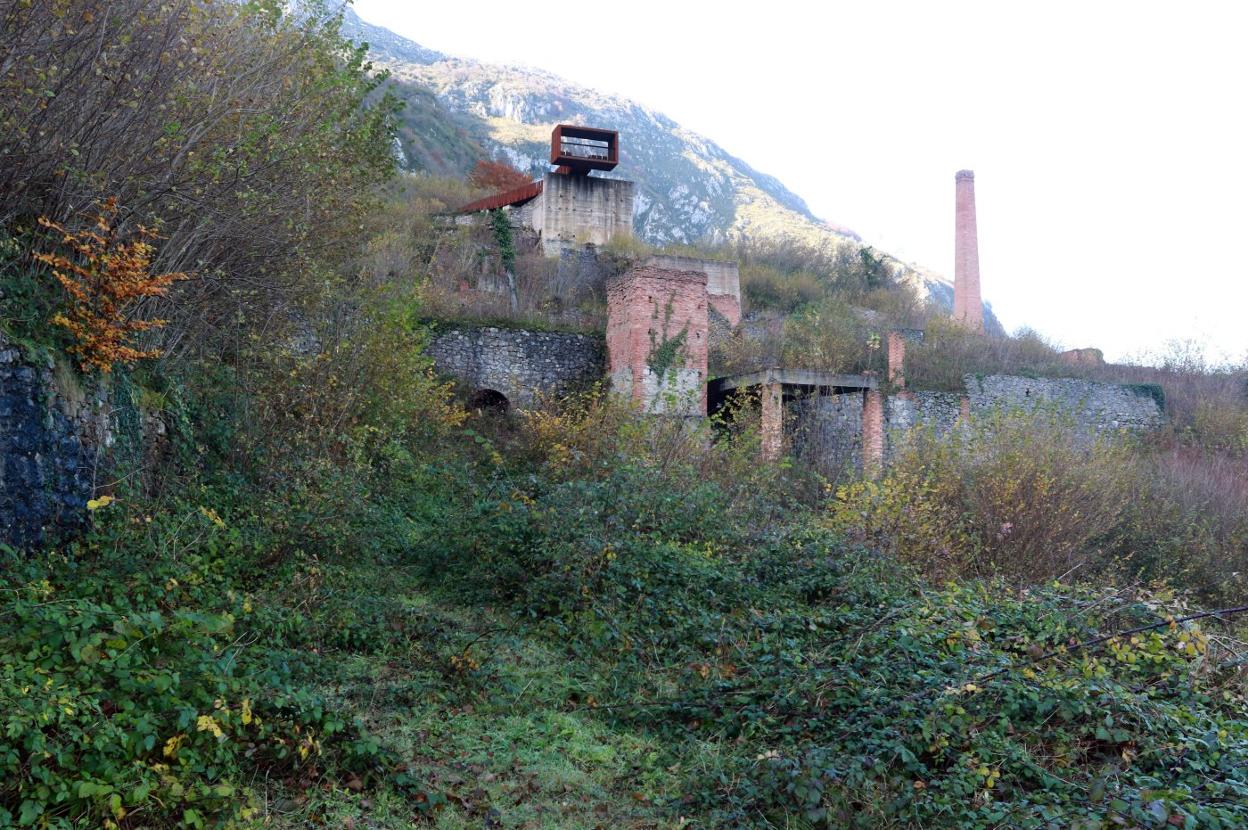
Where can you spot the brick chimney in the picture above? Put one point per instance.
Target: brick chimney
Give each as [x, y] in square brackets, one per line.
[968, 306]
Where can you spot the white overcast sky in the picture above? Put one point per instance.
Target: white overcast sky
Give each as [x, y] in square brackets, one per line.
[1108, 139]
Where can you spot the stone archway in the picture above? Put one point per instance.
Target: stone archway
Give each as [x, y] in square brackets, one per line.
[489, 401]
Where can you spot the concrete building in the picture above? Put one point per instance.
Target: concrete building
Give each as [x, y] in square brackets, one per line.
[568, 205]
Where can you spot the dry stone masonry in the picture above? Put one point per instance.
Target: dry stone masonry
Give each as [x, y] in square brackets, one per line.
[47, 450]
[1095, 407]
[519, 365]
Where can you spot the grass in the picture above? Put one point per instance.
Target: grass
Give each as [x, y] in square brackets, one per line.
[509, 742]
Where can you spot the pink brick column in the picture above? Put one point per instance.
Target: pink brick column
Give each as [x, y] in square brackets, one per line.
[872, 433]
[772, 426]
[968, 305]
[897, 360]
[647, 306]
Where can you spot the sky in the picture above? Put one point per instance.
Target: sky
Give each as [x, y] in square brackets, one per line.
[1109, 139]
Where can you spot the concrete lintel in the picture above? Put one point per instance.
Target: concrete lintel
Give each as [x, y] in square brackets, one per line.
[792, 377]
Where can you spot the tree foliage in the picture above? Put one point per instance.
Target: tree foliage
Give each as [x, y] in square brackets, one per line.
[105, 277]
[243, 130]
[497, 175]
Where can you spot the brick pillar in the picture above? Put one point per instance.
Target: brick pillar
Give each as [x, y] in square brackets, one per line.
[650, 309]
[968, 305]
[872, 433]
[897, 359]
[772, 427]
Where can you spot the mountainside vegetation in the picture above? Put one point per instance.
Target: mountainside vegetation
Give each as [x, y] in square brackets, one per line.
[344, 597]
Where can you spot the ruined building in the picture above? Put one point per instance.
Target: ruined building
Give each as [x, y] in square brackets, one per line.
[664, 312]
[659, 312]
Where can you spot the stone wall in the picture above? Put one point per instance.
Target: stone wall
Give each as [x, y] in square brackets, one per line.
[827, 432]
[648, 307]
[582, 272]
[1096, 407]
[64, 439]
[49, 436]
[516, 363]
[936, 410]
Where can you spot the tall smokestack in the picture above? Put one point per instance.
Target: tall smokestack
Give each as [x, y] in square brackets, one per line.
[968, 306]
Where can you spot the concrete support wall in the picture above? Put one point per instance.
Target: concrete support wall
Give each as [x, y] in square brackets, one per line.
[580, 209]
[520, 365]
[968, 306]
[772, 423]
[657, 329]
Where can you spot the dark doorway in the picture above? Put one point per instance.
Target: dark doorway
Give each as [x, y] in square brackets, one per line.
[489, 401]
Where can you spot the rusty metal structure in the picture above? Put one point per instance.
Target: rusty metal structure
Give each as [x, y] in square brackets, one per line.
[516, 196]
[578, 150]
[574, 150]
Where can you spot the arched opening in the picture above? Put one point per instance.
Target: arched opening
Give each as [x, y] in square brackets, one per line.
[489, 401]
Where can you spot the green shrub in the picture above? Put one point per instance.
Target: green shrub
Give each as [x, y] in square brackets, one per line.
[830, 336]
[950, 351]
[766, 287]
[1015, 493]
[133, 687]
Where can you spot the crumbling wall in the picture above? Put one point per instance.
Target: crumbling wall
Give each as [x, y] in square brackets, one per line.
[65, 438]
[581, 273]
[723, 281]
[657, 330]
[827, 432]
[1094, 407]
[939, 411]
[516, 363]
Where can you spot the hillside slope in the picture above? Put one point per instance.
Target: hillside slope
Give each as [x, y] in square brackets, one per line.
[689, 188]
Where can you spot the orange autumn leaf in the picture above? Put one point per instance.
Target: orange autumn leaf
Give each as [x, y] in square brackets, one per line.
[104, 276]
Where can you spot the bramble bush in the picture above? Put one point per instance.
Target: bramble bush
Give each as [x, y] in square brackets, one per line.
[139, 685]
[794, 679]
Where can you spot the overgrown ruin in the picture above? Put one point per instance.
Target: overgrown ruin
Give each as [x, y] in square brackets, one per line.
[664, 312]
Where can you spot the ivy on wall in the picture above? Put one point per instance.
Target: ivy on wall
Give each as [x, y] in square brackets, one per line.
[506, 242]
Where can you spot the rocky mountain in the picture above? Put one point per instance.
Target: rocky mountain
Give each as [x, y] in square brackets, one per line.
[689, 188]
